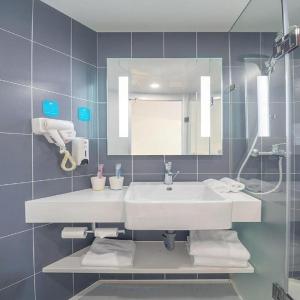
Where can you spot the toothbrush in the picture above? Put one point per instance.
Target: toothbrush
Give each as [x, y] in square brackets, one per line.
[100, 170]
[118, 170]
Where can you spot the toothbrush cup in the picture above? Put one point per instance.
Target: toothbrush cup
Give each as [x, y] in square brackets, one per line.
[116, 183]
[98, 183]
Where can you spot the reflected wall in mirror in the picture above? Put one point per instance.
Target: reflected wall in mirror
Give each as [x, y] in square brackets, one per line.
[164, 106]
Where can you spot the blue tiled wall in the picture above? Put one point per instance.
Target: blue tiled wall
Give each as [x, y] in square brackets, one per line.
[57, 60]
[65, 60]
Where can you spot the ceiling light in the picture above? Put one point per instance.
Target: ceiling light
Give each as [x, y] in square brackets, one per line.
[263, 100]
[154, 85]
[123, 106]
[205, 106]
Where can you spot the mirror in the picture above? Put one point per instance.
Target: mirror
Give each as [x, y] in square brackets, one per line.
[164, 106]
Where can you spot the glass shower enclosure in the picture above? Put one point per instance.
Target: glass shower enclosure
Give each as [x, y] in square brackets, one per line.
[265, 97]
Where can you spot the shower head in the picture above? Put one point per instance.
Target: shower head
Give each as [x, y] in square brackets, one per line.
[264, 63]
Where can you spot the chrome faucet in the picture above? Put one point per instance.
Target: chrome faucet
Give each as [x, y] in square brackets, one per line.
[169, 175]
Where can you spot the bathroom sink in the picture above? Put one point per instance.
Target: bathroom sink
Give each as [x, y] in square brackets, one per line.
[180, 206]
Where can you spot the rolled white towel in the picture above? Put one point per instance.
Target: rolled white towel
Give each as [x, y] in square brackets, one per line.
[218, 262]
[217, 185]
[234, 186]
[217, 244]
[109, 253]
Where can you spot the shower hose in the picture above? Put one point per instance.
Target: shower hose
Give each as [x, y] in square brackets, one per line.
[245, 162]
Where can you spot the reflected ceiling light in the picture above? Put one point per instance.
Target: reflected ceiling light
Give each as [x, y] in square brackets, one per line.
[154, 85]
[205, 105]
[263, 100]
[123, 106]
[217, 98]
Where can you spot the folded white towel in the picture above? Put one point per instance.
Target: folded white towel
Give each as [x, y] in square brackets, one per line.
[218, 262]
[217, 244]
[234, 186]
[109, 253]
[217, 185]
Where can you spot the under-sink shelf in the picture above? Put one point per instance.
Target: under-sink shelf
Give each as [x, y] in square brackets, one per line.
[150, 257]
[159, 289]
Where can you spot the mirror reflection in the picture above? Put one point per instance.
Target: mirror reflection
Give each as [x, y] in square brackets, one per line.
[164, 106]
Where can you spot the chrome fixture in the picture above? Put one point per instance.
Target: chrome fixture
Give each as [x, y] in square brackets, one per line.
[276, 151]
[283, 44]
[287, 43]
[169, 175]
[169, 239]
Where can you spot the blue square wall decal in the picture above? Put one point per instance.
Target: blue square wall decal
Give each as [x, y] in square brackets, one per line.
[51, 108]
[84, 114]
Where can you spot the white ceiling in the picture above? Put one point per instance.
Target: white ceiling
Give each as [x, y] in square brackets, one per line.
[261, 16]
[153, 15]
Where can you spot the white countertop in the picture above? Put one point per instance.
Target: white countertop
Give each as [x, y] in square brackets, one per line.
[87, 206]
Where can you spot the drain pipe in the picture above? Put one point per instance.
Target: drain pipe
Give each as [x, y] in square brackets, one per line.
[169, 239]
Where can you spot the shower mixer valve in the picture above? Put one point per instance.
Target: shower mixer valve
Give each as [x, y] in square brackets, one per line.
[276, 151]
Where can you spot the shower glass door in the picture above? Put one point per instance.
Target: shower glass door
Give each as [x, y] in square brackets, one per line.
[294, 243]
[258, 101]
[294, 263]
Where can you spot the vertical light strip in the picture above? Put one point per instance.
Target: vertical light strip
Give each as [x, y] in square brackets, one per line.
[205, 106]
[263, 106]
[123, 106]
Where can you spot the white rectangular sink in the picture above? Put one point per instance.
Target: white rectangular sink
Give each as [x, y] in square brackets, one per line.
[187, 206]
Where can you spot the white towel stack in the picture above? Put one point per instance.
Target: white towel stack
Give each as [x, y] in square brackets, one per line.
[109, 253]
[217, 248]
[234, 185]
[217, 185]
[224, 185]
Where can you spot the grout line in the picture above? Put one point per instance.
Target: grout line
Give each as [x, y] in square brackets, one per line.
[71, 108]
[196, 45]
[52, 92]
[85, 62]
[15, 34]
[48, 91]
[15, 133]
[86, 100]
[71, 91]
[48, 179]
[98, 105]
[32, 145]
[65, 54]
[163, 44]
[17, 282]
[9, 184]
[197, 166]
[15, 233]
[43, 225]
[15, 83]
[45, 46]
[132, 174]
[230, 147]
[91, 174]
[131, 50]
